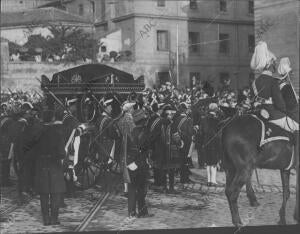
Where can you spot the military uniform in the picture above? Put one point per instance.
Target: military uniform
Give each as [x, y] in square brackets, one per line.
[172, 158]
[155, 126]
[49, 181]
[110, 137]
[292, 107]
[267, 92]
[30, 137]
[184, 126]
[132, 154]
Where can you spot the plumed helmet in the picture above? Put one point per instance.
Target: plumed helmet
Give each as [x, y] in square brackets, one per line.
[284, 66]
[262, 57]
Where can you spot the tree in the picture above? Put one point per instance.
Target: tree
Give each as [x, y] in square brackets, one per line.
[68, 42]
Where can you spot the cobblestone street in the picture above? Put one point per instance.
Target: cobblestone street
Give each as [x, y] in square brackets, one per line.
[194, 206]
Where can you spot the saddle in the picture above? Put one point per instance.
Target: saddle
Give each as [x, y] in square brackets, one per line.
[271, 132]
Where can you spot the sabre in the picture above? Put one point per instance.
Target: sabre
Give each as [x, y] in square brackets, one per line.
[289, 78]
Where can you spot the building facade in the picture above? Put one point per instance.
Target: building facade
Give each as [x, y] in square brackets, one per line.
[21, 5]
[215, 37]
[278, 23]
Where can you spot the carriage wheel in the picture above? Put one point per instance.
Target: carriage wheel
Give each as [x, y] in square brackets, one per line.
[87, 173]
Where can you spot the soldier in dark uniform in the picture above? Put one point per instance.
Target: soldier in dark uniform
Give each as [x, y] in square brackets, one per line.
[49, 181]
[184, 126]
[267, 92]
[154, 125]
[30, 136]
[110, 134]
[135, 165]
[171, 158]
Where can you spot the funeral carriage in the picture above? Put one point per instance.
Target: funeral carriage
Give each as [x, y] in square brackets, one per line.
[88, 84]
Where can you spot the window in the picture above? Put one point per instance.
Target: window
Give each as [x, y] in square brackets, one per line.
[163, 77]
[162, 40]
[251, 7]
[223, 77]
[194, 42]
[193, 4]
[224, 43]
[223, 5]
[251, 43]
[80, 9]
[161, 3]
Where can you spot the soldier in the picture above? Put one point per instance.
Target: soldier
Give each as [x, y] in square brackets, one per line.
[110, 133]
[30, 136]
[129, 155]
[70, 123]
[267, 92]
[49, 181]
[155, 124]
[173, 143]
[184, 127]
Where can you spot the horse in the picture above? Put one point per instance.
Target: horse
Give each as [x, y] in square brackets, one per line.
[241, 138]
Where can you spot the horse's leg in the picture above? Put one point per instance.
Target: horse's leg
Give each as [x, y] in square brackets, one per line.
[233, 191]
[230, 176]
[285, 178]
[250, 192]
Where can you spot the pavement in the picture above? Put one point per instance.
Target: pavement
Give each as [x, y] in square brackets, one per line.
[194, 206]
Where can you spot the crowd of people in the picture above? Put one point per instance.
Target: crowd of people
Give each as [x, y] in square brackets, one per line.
[158, 129]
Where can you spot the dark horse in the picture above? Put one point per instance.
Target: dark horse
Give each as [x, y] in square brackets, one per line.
[242, 154]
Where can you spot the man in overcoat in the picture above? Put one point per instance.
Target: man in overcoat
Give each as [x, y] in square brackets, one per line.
[49, 181]
[135, 165]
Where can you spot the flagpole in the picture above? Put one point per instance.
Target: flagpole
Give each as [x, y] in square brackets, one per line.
[177, 57]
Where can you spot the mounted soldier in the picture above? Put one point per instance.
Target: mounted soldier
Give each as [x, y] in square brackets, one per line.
[260, 141]
[267, 91]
